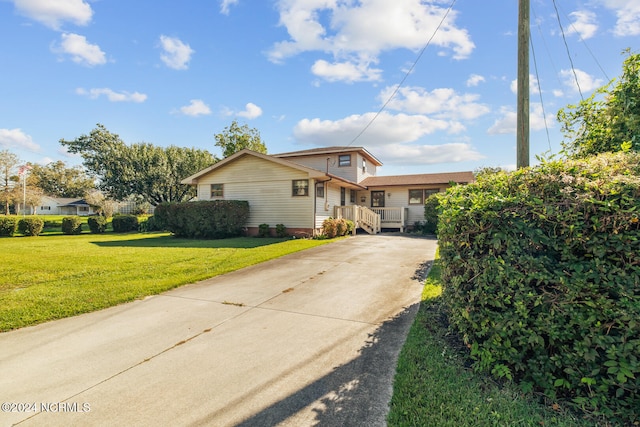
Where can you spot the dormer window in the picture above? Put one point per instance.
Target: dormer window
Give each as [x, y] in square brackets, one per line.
[344, 160]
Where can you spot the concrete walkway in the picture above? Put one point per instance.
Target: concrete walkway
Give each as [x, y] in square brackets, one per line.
[308, 339]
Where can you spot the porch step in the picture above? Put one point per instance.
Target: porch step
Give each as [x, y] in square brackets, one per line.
[367, 228]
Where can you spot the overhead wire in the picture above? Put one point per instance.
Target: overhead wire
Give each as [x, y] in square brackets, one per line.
[409, 71]
[564, 38]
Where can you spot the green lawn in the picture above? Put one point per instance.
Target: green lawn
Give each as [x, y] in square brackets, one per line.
[55, 276]
[433, 387]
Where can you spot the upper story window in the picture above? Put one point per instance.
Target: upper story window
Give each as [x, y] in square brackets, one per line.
[217, 191]
[364, 166]
[344, 160]
[300, 187]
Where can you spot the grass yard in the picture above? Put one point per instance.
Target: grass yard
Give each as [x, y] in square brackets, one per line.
[433, 387]
[51, 277]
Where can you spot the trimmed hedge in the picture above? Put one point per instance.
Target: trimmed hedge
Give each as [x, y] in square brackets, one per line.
[542, 276]
[8, 226]
[97, 224]
[71, 225]
[206, 219]
[124, 223]
[30, 226]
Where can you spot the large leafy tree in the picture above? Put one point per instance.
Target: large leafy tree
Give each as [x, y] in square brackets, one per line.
[58, 180]
[9, 163]
[152, 172]
[235, 138]
[607, 121]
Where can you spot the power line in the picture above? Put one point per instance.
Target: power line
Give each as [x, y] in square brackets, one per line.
[397, 89]
[575, 75]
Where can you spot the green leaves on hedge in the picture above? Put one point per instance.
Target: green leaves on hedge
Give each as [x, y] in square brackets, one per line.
[542, 275]
[215, 219]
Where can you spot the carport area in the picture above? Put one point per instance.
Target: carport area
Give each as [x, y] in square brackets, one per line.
[308, 339]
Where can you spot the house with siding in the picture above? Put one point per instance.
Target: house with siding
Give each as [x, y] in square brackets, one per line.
[63, 206]
[301, 189]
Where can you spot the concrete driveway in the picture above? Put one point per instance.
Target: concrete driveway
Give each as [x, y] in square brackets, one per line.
[308, 339]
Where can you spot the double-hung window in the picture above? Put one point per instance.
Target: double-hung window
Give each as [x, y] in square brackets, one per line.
[344, 160]
[217, 191]
[300, 187]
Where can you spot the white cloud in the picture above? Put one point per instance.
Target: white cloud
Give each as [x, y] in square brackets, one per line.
[53, 13]
[113, 96]
[392, 136]
[81, 51]
[442, 103]
[584, 24]
[196, 108]
[508, 121]
[628, 14]
[534, 85]
[251, 111]
[386, 129]
[355, 33]
[475, 80]
[225, 5]
[586, 81]
[348, 72]
[176, 54]
[16, 138]
[407, 155]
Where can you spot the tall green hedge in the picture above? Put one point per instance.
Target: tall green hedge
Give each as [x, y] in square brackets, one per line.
[215, 219]
[542, 275]
[71, 225]
[124, 223]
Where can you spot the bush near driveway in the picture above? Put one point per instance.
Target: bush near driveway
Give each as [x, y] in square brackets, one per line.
[541, 269]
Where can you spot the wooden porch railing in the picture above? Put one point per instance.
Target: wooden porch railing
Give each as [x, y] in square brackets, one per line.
[372, 220]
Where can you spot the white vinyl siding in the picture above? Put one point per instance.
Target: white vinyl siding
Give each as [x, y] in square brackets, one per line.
[267, 188]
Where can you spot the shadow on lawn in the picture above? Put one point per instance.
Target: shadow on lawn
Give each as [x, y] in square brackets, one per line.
[174, 242]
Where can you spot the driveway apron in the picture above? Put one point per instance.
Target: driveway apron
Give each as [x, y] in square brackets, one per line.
[308, 339]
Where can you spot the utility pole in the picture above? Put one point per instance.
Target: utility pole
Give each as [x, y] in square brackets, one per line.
[522, 132]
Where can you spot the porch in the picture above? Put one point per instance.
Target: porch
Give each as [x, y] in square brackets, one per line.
[373, 220]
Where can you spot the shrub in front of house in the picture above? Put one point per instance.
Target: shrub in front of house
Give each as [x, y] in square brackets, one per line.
[8, 226]
[281, 230]
[205, 219]
[124, 223]
[263, 230]
[542, 277]
[71, 225]
[30, 226]
[332, 227]
[97, 224]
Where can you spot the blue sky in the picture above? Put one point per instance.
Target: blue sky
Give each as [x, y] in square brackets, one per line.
[304, 73]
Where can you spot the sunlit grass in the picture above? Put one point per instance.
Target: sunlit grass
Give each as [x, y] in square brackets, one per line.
[51, 277]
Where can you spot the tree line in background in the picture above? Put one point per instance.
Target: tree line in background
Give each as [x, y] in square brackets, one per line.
[113, 170]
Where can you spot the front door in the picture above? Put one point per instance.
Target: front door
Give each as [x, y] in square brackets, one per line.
[377, 199]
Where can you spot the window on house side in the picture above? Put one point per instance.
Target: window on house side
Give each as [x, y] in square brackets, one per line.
[320, 189]
[217, 191]
[352, 196]
[416, 197]
[377, 199]
[300, 187]
[344, 160]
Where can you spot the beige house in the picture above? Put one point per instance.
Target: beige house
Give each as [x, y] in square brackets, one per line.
[303, 188]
